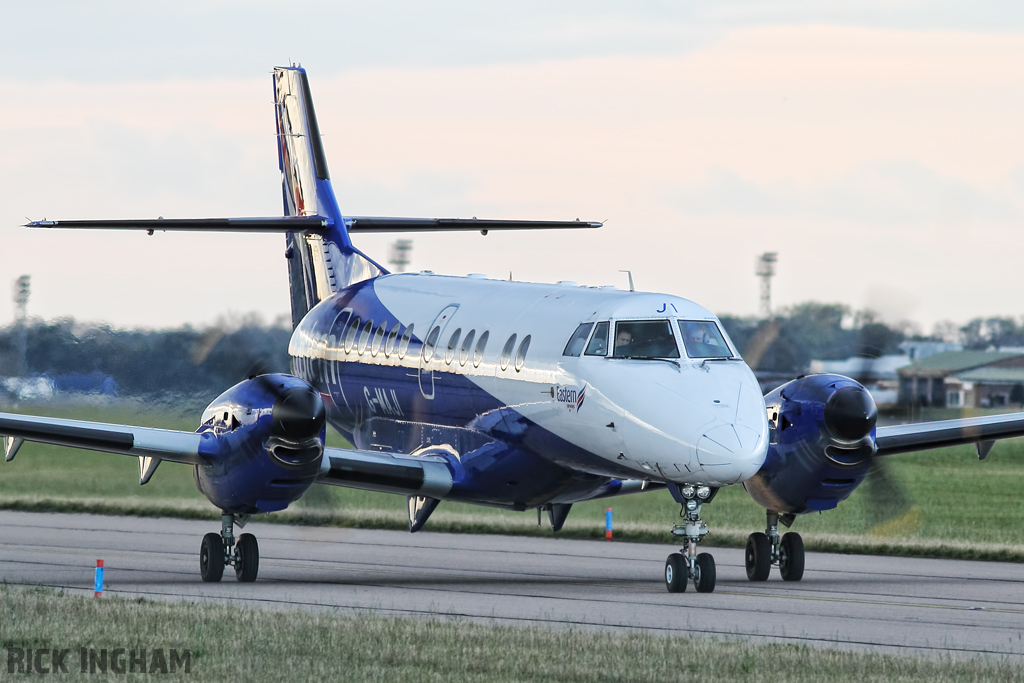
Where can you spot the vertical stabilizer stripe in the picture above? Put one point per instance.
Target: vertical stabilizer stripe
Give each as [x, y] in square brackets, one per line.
[319, 158]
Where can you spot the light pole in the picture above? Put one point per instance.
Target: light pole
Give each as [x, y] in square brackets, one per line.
[400, 255]
[22, 290]
[765, 271]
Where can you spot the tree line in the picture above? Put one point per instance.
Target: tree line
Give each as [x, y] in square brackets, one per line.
[183, 360]
[190, 360]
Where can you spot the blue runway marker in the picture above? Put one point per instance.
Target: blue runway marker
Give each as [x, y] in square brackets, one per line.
[98, 588]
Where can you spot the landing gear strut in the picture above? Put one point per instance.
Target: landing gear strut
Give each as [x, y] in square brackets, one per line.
[221, 549]
[680, 567]
[767, 549]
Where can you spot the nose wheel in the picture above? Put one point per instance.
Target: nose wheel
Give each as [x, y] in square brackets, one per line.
[768, 549]
[220, 550]
[683, 566]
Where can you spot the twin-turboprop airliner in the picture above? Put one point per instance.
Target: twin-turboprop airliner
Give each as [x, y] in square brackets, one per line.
[516, 395]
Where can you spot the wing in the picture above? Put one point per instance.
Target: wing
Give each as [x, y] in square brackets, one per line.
[424, 475]
[411, 475]
[149, 445]
[981, 431]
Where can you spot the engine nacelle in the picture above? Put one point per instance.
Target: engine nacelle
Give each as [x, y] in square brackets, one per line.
[822, 430]
[264, 443]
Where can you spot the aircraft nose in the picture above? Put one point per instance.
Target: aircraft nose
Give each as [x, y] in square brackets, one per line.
[733, 447]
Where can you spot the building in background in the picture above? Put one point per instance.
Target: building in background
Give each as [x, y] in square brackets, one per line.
[964, 379]
[878, 375]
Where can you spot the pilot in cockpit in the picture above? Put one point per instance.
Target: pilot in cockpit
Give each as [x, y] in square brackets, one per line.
[622, 340]
[699, 344]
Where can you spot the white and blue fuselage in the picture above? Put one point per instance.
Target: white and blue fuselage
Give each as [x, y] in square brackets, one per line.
[484, 368]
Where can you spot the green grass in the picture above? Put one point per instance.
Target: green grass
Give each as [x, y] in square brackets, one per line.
[962, 507]
[244, 644]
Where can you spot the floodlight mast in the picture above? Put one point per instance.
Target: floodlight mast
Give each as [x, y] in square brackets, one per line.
[22, 290]
[400, 254]
[765, 271]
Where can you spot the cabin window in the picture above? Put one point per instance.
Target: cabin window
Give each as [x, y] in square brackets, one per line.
[521, 353]
[578, 340]
[478, 355]
[403, 347]
[645, 339]
[430, 342]
[506, 353]
[340, 327]
[392, 341]
[350, 336]
[467, 346]
[598, 345]
[378, 339]
[453, 343]
[364, 337]
[703, 339]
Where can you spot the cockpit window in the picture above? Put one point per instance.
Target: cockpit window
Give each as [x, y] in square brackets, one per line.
[703, 339]
[598, 345]
[645, 339]
[578, 340]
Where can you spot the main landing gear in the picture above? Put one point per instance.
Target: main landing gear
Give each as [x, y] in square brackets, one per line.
[767, 549]
[221, 549]
[680, 567]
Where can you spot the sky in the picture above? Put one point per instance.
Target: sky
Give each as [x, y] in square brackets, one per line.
[878, 147]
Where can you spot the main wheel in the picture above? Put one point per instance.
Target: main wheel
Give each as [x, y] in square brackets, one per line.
[247, 558]
[211, 558]
[758, 557]
[791, 557]
[706, 576]
[677, 571]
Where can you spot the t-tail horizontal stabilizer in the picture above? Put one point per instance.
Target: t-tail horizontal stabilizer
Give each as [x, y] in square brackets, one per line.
[314, 224]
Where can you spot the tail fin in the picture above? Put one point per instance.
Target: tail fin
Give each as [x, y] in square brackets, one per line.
[318, 264]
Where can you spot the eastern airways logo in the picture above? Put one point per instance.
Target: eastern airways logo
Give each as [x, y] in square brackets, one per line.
[571, 397]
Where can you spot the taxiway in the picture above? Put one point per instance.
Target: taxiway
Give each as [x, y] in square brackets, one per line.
[885, 604]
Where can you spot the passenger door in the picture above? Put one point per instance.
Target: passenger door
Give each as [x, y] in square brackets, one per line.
[429, 350]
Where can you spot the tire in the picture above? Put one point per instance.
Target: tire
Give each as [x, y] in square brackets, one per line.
[677, 573]
[704, 582]
[758, 557]
[211, 558]
[247, 558]
[791, 557]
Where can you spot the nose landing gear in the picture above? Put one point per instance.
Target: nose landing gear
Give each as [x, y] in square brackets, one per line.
[680, 567]
[767, 549]
[221, 549]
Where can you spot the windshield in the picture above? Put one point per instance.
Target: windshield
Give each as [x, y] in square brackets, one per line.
[598, 345]
[645, 339]
[703, 339]
[578, 340]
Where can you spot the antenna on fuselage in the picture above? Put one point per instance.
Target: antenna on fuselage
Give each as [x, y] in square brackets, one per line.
[630, 274]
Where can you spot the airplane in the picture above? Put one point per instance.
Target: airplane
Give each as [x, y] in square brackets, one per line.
[516, 395]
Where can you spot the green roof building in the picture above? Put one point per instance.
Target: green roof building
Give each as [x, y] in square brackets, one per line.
[964, 379]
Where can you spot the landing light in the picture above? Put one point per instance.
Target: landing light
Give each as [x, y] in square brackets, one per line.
[703, 492]
[691, 505]
[687, 491]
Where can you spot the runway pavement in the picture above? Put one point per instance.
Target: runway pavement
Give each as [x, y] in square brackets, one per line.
[892, 605]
